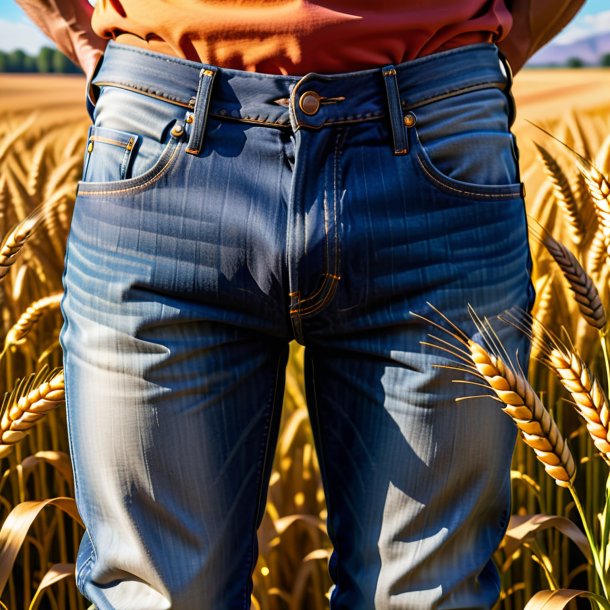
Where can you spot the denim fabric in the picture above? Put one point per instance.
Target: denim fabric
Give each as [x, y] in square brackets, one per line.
[324, 209]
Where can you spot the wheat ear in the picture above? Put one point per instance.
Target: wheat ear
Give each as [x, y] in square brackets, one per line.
[597, 252]
[563, 194]
[538, 429]
[581, 284]
[18, 235]
[589, 398]
[30, 317]
[19, 417]
[536, 425]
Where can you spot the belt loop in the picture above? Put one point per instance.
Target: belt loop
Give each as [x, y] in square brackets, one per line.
[200, 112]
[399, 132]
[508, 88]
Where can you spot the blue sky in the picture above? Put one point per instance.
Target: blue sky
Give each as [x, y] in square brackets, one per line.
[16, 31]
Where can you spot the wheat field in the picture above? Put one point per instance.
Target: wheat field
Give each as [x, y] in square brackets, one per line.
[555, 541]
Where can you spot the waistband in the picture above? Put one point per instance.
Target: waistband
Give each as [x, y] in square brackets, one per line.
[309, 101]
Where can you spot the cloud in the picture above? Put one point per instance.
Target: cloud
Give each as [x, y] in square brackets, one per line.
[22, 35]
[584, 27]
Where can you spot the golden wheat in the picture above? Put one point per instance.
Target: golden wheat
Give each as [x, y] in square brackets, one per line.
[581, 284]
[19, 417]
[563, 194]
[589, 398]
[30, 317]
[538, 428]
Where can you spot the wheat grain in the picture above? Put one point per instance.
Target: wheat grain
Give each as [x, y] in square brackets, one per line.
[538, 429]
[30, 317]
[602, 159]
[563, 195]
[597, 253]
[589, 398]
[581, 284]
[19, 418]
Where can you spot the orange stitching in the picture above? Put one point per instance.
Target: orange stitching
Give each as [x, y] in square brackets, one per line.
[464, 192]
[110, 141]
[137, 187]
[334, 277]
[144, 92]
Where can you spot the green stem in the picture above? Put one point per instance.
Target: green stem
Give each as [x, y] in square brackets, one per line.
[596, 561]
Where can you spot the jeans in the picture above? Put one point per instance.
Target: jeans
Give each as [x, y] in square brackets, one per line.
[222, 214]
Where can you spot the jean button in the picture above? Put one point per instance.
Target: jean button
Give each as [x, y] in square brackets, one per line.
[309, 103]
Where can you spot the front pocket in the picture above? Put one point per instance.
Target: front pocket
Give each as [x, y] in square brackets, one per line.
[453, 186]
[463, 146]
[103, 166]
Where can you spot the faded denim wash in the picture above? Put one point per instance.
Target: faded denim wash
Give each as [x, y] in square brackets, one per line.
[222, 214]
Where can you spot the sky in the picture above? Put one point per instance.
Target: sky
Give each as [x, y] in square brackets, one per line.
[18, 32]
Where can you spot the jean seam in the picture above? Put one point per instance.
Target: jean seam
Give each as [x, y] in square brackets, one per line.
[260, 475]
[86, 567]
[441, 184]
[452, 93]
[314, 295]
[329, 284]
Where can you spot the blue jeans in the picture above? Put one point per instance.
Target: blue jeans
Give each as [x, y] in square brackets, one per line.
[222, 214]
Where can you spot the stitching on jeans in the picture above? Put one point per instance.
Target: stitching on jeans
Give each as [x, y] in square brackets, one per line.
[110, 141]
[187, 63]
[441, 184]
[452, 93]
[322, 286]
[260, 476]
[138, 187]
[330, 279]
[144, 90]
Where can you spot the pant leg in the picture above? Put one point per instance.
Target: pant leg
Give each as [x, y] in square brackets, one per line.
[175, 347]
[417, 485]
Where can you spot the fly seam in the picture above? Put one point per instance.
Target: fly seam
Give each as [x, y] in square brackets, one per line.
[330, 281]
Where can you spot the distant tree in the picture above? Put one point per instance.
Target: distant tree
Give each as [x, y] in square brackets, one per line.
[29, 64]
[605, 60]
[3, 62]
[62, 65]
[575, 62]
[16, 61]
[44, 61]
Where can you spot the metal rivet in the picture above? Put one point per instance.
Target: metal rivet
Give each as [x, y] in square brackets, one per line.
[130, 144]
[90, 147]
[189, 118]
[177, 130]
[309, 102]
[409, 119]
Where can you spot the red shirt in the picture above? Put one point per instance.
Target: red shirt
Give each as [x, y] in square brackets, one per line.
[296, 35]
[300, 36]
